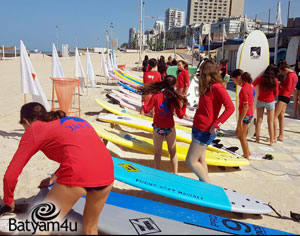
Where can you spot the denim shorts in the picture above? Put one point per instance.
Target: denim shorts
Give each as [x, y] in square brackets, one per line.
[201, 137]
[268, 105]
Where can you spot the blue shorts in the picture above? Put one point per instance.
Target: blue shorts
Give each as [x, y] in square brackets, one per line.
[201, 137]
[268, 105]
[247, 119]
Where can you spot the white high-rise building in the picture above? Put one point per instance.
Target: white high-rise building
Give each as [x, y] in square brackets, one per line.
[174, 18]
[159, 26]
[132, 35]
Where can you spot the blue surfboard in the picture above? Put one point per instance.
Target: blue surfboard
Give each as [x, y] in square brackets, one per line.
[128, 87]
[186, 189]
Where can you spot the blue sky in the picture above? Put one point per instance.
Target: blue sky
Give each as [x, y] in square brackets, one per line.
[85, 21]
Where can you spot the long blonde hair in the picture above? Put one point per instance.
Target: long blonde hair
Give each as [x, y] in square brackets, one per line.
[209, 74]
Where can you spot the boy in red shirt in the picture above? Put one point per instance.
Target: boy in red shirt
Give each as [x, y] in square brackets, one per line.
[246, 97]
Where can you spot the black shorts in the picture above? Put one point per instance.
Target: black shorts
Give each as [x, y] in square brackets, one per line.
[298, 86]
[284, 99]
[88, 189]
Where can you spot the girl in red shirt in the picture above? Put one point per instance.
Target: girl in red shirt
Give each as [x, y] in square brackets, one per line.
[165, 100]
[86, 166]
[268, 91]
[246, 97]
[183, 79]
[207, 120]
[286, 89]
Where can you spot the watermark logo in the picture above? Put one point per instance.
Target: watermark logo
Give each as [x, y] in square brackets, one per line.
[43, 218]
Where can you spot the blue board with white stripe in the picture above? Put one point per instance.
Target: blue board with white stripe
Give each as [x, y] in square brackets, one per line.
[186, 189]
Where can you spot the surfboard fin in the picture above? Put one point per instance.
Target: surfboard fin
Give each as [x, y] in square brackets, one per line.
[233, 148]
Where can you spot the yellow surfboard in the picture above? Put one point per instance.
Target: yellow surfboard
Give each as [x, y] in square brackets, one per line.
[145, 145]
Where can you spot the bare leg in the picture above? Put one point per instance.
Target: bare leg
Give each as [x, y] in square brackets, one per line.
[95, 201]
[298, 102]
[158, 141]
[281, 122]
[196, 161]
[278, 108]
[242, 135]
[270, 117]
[171, 141]
[295, 96]
[260, 115]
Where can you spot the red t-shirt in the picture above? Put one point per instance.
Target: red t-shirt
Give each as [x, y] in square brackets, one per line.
[246, 97]
[163, 117]
[207, 113]
[70, 141]
[287, 87]
[151, 76]
[265, 95]
[183, 80]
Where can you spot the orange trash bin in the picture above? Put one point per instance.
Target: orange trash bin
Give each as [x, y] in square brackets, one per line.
[65, 88]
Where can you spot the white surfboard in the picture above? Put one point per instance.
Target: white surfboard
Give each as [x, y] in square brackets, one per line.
[292, 51]
[254, 59]
[193, 92]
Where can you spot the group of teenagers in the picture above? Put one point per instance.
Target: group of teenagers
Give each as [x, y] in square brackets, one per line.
[86, 166]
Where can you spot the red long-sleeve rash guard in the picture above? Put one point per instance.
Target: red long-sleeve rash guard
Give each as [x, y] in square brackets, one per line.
[266, 95]
[163, 117]
[183, 80]
[70, 141]
[151, 76]
[287, 87]
[209, 108]
[246, 97]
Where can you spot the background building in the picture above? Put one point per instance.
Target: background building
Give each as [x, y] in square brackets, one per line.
[174, 18]
[209, 11]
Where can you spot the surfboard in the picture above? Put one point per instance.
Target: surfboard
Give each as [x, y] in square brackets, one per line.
[193, 92]
[254, 59]
[128, 87]
[146, 125]
[122, 80]
[130, 215]
[142, 144]
[173, 71]
[130, 113]
[131, 75]
[186, 189]
[123, 76]
[292, 51]
[133, 105]
[129, 93]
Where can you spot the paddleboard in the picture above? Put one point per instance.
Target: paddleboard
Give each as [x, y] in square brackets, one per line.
[292, 51]
[254, 59]
[131, 75]
[173, 71]
[130, 113]
[186, 189]
[146, 125]
[137, 82]
[129, 93]
[146, 145]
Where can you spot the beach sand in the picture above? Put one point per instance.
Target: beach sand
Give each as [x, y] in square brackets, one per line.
[270, 185]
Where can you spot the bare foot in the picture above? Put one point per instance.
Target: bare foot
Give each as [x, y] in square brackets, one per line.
[257, 140]
[279, 138]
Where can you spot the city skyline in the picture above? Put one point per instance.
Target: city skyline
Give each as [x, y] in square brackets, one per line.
[84, 23]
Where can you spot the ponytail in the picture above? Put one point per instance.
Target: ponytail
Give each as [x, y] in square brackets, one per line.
[167, 86]
[152, 63]
[34, 111]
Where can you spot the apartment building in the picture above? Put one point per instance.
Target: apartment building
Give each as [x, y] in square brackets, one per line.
[209, 11]
[174, 18]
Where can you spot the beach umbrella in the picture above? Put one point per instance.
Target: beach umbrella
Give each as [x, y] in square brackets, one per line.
[79, 72]
[57, 71]
[89, 69]
[278, 24]
[109, 63]
[30, 82]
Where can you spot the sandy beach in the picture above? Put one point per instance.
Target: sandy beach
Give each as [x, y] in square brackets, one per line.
[274, 181]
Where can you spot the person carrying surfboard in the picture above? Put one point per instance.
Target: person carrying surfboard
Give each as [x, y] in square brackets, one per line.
[268, 91]
[286, 89]
[183, 78]
[212, 95]
[165, 100]
[246, 102]
[86, 166]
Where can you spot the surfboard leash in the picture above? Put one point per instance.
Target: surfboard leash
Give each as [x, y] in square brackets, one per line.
[293, 216]
[273, 173]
